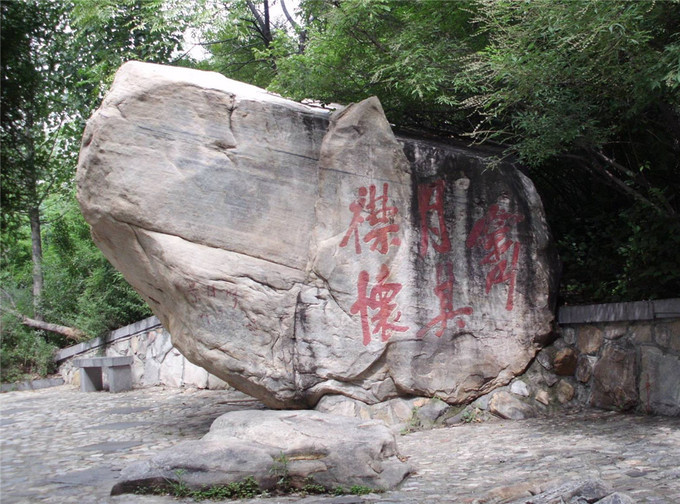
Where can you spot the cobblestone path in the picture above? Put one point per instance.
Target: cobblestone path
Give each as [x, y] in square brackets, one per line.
[59, 445]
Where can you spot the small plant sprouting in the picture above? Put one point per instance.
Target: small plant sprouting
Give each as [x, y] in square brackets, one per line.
[413, 423]
[360, 490]
[280, 470]
[310, 487]
[471, 415]
[178, 487]
[246, 489]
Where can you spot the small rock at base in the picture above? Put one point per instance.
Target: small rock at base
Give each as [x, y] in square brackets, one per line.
[520, 388]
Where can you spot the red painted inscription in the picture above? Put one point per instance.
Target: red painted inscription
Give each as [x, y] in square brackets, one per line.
[373, 209]
[432, 223]
[444, 291]
[384, 316]
[502, 253]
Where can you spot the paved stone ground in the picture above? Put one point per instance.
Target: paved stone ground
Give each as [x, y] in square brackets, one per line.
[59, 445]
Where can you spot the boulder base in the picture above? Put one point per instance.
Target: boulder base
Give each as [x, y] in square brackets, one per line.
[301, 446]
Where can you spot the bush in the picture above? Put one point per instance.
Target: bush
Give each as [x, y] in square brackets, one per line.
[24, 353]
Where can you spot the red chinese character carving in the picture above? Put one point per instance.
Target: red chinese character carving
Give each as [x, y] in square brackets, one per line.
[380, 301]
[489, 232]
[192, 290]
[379, 216]
[444, 291]
[430, 209]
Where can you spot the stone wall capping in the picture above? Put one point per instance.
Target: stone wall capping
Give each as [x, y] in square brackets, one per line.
[139, 327]
[614, 312]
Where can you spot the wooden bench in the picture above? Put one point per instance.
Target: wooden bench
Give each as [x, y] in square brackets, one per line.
[118, 372]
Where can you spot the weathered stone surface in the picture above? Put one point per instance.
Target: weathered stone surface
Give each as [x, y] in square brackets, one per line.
[659, 382]
[579, 491]
[293, 254]
[617, 498]
[545, 357]
[564, 391]
[392, 412]
[543, 397]
[565, 362]
[589, 340]
[507, 405]
[615, 331]
[584, 368]
[613, 385]
[429, 412]
[519, 388]
[266, 445]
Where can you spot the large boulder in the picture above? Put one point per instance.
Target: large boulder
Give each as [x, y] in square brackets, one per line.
[277, 448]
[296, 253]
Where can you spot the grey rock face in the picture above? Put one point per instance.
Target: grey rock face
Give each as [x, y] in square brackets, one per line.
[507, 405]
[614, 379]
[332, 451]
[296, 254]
[577, 492]
[659, 384]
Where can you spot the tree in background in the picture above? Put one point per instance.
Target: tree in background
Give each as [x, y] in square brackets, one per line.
[58, 58]
[35, 150]
[246, 39]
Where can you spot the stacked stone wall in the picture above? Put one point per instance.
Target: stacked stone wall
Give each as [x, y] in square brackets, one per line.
[621, 357]
[155, 360]
[626, 356]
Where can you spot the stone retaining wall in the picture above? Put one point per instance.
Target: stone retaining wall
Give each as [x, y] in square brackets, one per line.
[623, 356]
[155, 360]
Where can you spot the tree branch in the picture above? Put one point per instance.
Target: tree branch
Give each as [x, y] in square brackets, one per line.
[619, 184]
[70, 332]
[290, 19]
[262, 25]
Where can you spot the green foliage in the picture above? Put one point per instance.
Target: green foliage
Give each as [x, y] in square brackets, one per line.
[471, 415]
[634, 253]
[280, 470]
[248, 41]
[116, 31]
[37, 145]
[360, 490]
[57, 58]
[81, 290]
[23, 352]
[571, 75]
[310, 487]
[407, 53]
[177, 487]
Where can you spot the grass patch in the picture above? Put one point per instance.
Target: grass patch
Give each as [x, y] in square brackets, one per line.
[247, 488]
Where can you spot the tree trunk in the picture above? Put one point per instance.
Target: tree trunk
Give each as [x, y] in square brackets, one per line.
[36, 252]
[69, 332]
